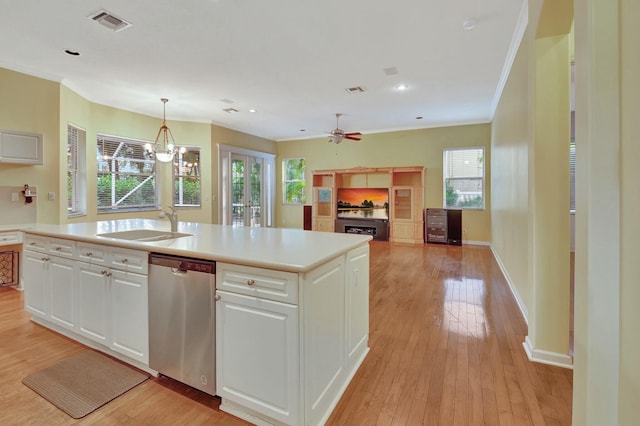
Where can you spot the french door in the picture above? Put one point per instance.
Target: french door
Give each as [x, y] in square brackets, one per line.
[246, 187]
[246, 190]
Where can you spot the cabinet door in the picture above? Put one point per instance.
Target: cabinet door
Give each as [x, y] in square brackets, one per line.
[129, 315]
[20, 147]
[257, 355]
[93, 302]
[357, 305]
[62, 291]
[324, 337]
[403, 204]
[35, 283]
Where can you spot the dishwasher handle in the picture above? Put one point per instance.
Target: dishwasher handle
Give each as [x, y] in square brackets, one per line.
[181, 263]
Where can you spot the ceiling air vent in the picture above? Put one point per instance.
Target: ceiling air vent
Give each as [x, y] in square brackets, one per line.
[109, 20]
[356, 89]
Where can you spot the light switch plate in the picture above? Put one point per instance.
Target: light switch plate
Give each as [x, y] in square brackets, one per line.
[14, 196]
[52, 196]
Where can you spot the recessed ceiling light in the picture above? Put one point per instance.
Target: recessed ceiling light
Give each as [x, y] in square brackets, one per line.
[402, 86]
[469, 24]
[71, 52]
[253, 110]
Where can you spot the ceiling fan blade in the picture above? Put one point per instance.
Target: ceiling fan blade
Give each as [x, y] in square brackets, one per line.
[353, 134]
[353, 138]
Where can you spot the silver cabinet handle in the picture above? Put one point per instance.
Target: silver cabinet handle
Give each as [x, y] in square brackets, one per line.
[45, 259]
[88, 254]
[58, 248]
[250, 282]
[125, 260]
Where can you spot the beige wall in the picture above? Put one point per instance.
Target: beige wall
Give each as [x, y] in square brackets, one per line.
[530, 212]
[422, 147]
[630, 206]
[99, 119]
[607, 348]
[30, 105]
[510, 177]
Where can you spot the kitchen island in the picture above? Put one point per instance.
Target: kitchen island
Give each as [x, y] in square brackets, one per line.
[291, 305]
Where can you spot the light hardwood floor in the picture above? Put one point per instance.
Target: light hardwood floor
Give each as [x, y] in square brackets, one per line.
[446, 348]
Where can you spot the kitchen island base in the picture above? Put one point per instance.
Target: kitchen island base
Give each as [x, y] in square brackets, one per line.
[287, 352]
[292, 307]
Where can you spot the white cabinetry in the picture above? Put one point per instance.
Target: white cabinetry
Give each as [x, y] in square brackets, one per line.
[97, 292]
[50, 281]
[20, 147]
[113, 308]
[257, 348]
[288, 344]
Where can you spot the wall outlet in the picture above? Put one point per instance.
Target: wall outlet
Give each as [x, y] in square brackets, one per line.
[52, 196]
[14, 196]
[464, 231]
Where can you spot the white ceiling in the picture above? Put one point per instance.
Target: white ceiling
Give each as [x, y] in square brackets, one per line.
[291, 60]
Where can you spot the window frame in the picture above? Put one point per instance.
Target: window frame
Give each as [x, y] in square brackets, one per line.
[76, 171]
[178, 178]
[147, 158]
[445, 169]
[285, 181]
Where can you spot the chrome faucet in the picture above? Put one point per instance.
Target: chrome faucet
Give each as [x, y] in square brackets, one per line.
[172, 216]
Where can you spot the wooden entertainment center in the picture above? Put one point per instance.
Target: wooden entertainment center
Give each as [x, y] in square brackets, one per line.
[406, 200]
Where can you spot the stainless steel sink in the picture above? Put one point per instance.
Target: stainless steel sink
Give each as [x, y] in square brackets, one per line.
[144, 235]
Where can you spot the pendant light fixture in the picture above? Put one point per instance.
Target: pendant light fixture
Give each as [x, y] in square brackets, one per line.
[164, 147]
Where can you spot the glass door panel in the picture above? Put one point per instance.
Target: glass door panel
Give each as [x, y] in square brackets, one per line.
[246, 190]
[238, 167]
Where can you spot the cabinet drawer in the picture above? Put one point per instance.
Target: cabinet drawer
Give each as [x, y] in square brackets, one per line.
[57, 246]
[61, 247]
[7, 238]
[129, 260]
[264, 283]
[36, 243]
[93, 253]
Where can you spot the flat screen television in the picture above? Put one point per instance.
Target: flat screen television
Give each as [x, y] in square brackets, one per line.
[363, 203]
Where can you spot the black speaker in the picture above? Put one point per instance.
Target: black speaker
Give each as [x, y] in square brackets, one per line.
[307, 221]
[454, 227]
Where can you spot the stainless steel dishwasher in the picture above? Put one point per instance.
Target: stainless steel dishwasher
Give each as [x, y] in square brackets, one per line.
[182, 320]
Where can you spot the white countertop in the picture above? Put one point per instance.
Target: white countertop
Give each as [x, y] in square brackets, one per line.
[276, 248]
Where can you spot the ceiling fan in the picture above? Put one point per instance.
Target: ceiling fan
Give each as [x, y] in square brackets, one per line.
[337, 135]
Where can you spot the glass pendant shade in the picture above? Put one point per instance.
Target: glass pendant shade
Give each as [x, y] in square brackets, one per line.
[164, 147]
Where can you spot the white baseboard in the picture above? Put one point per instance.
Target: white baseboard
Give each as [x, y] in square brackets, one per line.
[516, 295]
[546, 357]
[476, 243]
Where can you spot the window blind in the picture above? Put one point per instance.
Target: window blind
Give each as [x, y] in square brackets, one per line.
[76, 166]
[126, 175]
[464, 178]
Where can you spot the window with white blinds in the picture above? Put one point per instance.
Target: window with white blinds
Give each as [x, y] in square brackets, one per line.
[464, 178]
[126, 175]
[572, 177]
[186, 177]
[76, 171]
